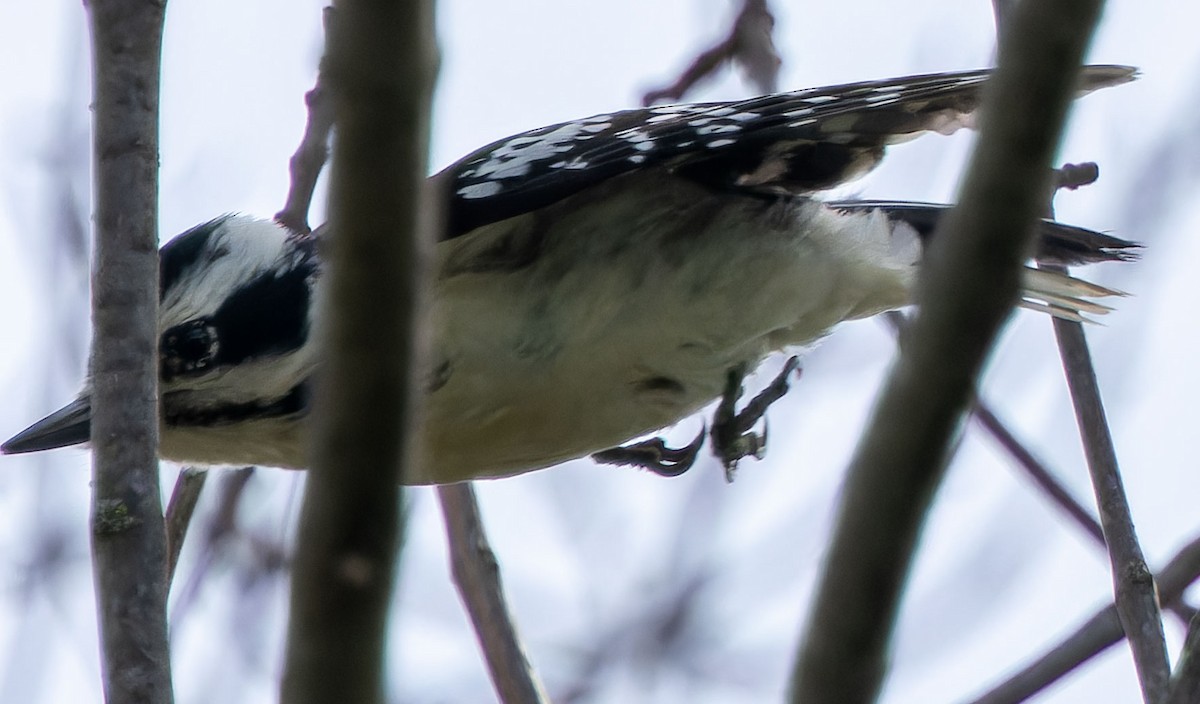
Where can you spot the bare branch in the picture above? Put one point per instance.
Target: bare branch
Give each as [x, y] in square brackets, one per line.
[180, 509]
[1041, 475]
[970, 281]
[128, 538]
[1098, 633]
[1137, 602]
[380, 68]
[1038, 472]
[477, 576]
[1185, 685]
[749, 45]
[306, 164]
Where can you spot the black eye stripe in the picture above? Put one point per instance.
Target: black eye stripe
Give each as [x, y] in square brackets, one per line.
[268, 315]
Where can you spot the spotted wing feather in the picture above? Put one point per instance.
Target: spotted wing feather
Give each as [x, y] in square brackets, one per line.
[798, 142]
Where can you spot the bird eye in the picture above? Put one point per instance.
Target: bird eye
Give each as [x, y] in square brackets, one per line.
[188, 349]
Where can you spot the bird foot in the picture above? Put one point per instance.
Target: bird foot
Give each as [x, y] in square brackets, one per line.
[654, 455]
[732, 435]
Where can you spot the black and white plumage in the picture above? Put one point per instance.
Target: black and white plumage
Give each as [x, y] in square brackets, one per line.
[597, 280]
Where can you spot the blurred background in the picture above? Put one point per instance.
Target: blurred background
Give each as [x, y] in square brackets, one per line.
[627, 587]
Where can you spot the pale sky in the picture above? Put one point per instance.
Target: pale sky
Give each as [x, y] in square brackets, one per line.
[586, 550]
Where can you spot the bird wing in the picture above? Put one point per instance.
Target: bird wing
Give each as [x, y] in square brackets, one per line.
[798, 142]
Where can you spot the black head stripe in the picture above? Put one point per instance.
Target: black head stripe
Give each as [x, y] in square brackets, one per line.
[185, 251]
[268, 315]
[177, 413]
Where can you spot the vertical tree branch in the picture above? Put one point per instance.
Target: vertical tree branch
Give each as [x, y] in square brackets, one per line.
[128, 538]
[1133, 583]
[380, 67]
[969, 282]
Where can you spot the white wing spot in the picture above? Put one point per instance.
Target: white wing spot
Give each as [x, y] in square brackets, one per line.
[720, 143]
[718, 129]
[480, 190]
[882, 98]
[514, 157]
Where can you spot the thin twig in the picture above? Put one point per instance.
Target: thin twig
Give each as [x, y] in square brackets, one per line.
[180, 509]
[477, 576]
[305, 165]
[749, 44]
[1185, 684]
[970, 280]
[128, 534]
[380, 66]
[220, 527]
[1099, 632]
[1137, 602]
[1040, 474]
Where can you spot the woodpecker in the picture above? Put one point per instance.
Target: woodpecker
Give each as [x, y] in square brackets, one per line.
[596, 281]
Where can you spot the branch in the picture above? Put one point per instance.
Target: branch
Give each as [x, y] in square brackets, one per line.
[1185, 685]
[1137, 601]
[1100, 632]
[970, 279]
[749, 44]
[128, 537]
[180, 509]
[380, 67]
[1041, 475]
[477, 576]
[305, 165]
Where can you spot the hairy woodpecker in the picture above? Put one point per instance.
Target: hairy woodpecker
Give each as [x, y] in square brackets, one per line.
[597, 280]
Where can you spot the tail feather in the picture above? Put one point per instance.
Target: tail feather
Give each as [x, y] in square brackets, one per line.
[1056, 293]
[1058, 243]
[1064, 296]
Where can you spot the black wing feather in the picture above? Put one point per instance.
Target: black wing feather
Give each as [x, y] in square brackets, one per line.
[798, 142]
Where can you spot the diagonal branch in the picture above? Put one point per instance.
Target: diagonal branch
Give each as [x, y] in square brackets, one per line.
[180, 509]
[477, 575]
[1136, 597]
[1098, 633]
[970, 280]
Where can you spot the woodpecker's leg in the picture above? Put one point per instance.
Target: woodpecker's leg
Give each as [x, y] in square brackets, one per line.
[654, 455]
[731, 434]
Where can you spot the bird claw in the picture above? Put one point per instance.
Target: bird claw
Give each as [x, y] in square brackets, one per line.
[732, 435]
[654, 455]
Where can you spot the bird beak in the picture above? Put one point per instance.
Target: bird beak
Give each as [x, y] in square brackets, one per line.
[69, 425]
